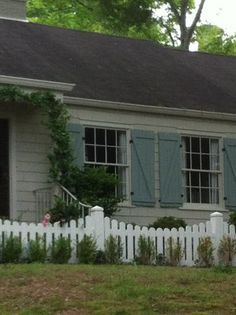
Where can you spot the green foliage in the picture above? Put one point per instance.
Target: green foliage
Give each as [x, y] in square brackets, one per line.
[37, 251]
[146, 251]
[174, 252]
[168, 222]
[113, 250]
[205, 252]
[213, 39]
[61, 212]
[232, 218]
[227, 250]
[61, 251]
[87, 250]
[95, 186]
[11, 250]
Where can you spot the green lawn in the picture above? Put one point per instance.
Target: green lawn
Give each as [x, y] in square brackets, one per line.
[78, 289]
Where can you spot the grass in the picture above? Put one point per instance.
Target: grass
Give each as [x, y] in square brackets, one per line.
[115, 290]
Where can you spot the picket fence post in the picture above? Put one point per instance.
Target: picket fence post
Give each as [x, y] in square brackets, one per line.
[217, 229]
[97, 215]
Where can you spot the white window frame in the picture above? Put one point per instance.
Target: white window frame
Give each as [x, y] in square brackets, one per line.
[124, 165]
[205, 206]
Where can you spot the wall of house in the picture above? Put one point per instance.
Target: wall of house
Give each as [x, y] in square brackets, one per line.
[29, 146]
[157, 123]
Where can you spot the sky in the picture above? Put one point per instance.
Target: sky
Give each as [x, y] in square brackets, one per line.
[221, 13]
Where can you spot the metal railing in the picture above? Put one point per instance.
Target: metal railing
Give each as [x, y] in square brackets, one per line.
[45, 200]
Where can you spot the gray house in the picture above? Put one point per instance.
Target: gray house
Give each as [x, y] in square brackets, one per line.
[162, 119]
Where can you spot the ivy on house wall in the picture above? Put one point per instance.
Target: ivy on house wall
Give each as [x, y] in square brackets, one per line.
[56, 119]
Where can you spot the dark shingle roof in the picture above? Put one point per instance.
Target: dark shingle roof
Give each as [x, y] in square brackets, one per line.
[118, 69]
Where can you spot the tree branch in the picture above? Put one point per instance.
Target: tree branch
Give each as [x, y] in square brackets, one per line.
[196, 19]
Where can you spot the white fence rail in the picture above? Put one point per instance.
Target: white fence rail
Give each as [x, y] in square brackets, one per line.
[101, 228]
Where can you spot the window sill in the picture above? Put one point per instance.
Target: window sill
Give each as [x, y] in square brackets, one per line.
[203, 207]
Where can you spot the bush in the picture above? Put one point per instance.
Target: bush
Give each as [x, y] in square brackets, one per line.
[174, 252]
[205, 252]
[37, 251]
[146, 251]
[61, 251]
[95, 186]
[11, 250]
[168, 222]
[113, 250]
[232, 218]
[226, 250]
[87, 250]
[63, 213]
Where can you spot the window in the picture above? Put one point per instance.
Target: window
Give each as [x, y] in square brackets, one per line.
[200, 169]
[108, 147]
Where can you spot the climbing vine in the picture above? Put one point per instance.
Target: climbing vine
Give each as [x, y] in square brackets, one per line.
[56, 118]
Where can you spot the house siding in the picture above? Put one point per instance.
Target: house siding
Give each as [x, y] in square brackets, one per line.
[157, 123]
[29, 145]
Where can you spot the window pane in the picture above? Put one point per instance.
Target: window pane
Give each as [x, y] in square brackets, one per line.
[188, 159]
[214, 181]
[187, 178]
[187, 196]
[196, 161]
[100, 154]
[100, 136]
[205, 162]
[214, 194]
[205, 145]
[195, 195]
[111, 137]
[89, 135]
[121, 138]
[195, 144]
[186, 144]
[195, 179]
[121, 189]
[205, 195]
[89, 153]
[204, 180]
[111, 155]
[121, 156]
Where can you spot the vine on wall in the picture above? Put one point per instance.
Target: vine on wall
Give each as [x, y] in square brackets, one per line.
[56, 119]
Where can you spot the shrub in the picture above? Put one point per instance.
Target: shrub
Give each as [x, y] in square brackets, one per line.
[87, 250]
[168, 222]
[226, 250]
[232, 218]
[61, 251]
[174, 252]
[113, 250]
[146, 251]
[61, 212]
[11, 250]
[37, 251]
[205, 252]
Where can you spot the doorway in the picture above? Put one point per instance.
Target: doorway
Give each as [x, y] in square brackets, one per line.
[4, 168]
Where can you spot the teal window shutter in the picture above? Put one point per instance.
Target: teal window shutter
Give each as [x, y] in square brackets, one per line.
[230, 173]
[76, 134]
[142, 168]
[170, 170]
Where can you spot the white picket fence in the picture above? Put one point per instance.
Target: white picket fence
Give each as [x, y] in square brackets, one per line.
[101, 228]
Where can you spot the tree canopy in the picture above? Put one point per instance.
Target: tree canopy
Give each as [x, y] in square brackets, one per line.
[164, 21]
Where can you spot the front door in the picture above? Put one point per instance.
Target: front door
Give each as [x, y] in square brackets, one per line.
[4, 168]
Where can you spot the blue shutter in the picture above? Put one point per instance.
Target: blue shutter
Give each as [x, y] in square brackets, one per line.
[170, 170]
[76, 134]
[230, 173]
[142, 168]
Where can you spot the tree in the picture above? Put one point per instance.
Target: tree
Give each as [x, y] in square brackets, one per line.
[135, 18]
[213, 39]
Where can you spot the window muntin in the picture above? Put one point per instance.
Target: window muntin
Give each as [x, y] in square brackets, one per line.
[108, 148]
[200, 169]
